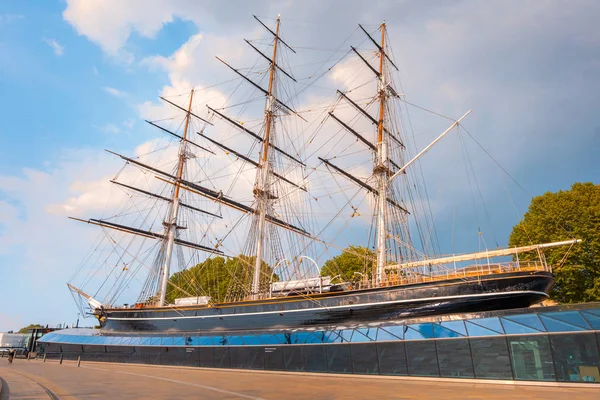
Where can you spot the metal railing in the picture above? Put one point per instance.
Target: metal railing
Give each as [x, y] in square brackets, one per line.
[414, 275]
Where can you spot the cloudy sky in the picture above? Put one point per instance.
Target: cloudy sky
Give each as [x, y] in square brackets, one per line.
[78, 76]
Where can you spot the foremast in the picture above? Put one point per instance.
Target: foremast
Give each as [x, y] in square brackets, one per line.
[171, 223]
[261, 189]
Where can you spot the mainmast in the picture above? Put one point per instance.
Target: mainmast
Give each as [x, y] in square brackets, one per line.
[171, 223]
[381, 169]
[261, 192]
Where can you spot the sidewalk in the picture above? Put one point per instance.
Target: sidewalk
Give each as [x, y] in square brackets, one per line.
[14, 385]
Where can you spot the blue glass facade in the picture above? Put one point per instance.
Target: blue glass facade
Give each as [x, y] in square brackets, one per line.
[543, 344]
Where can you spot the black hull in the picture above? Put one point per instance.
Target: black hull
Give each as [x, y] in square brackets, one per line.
[492, 292]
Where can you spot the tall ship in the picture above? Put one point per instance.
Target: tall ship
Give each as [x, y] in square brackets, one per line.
[226, 223]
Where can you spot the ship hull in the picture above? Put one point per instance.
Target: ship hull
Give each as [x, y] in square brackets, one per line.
[492, 292]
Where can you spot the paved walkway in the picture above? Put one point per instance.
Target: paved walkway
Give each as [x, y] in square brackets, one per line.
[37, 380]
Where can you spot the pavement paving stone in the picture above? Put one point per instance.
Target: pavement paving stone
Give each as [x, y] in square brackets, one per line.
[129, 381]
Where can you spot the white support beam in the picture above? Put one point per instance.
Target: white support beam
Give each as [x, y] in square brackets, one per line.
[426, 149]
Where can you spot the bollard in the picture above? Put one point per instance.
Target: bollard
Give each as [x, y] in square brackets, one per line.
[28, 355]
[78, 361]
[61, 358]
[44, 357]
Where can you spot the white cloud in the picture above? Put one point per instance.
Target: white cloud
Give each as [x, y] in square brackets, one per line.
[58, 48]
[110, 22]
[114, 92]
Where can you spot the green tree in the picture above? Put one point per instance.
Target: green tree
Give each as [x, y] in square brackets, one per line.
[353, 259]
[558, 216]
[220, 278]
[30, 326]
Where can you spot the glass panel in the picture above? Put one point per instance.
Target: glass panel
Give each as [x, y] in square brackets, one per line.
[234, 340]
[135, 340]
[220, 340]
[359, 337]
[222, 357]
[339, 358]
[571, 317]
[529, 320]
[251, 339]
[315, 358]
[110, 340]
[490, 358]
[383, 335]
[412, 334]
[364, 358]
[332, 337]
[426, 330]
[300, 337]
[318, 337]
[371, 333]
[531, 358]
[293, 357]
[492, 323]
[422, 358]
[456, 326]
[145, 340]
[392, 358]
[346, 334]
[166, 341]
[477, 330]
[205, 340]
[255, 357]
[593, 320]
[80, 339]
[594, 311]
[125, 340]
[270, 339]
[396, 330]
[454, 358]
[554, 325]
[576, 357]
[179, 341]
[237, 357]
[443, 332]
[515, 328]
[274, 358]
[207, 356]
[155, 341]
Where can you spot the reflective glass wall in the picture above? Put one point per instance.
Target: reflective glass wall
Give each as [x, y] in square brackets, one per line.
[569, 357]
[536, 345]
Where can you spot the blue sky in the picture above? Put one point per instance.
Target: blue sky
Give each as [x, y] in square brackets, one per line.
[77, 77]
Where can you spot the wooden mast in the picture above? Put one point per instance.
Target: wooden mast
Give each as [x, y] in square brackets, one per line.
[261, 192]
[381, 169]
[171, 223]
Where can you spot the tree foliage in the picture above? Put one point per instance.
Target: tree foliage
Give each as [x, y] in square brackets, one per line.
[353, 259]
[573, 213]
[220, 278]
[30, 326]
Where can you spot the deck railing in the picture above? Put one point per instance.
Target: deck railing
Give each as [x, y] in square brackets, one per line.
[409, 276]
